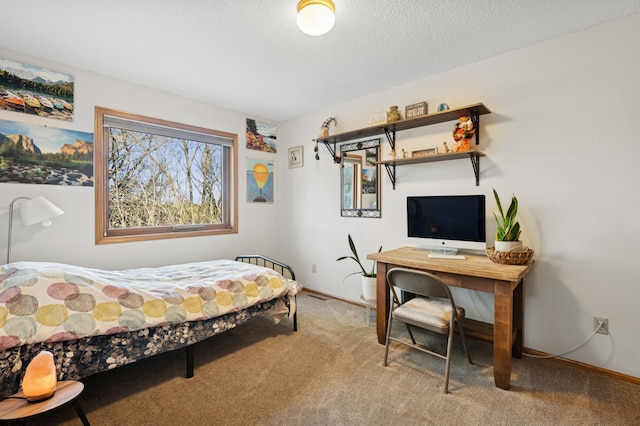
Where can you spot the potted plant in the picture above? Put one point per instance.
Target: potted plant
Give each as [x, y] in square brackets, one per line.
[508, 231]
[368, 277]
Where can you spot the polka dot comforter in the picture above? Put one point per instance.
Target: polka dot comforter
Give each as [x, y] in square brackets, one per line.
[53, 302]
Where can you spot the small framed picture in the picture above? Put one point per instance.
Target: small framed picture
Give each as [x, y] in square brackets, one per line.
[424, 152]
[415, 110]
[296, 157]
[378, 118]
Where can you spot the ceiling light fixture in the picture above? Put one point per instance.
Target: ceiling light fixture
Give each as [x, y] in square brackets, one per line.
[316, 17]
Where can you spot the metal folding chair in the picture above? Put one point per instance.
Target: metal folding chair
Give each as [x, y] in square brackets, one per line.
[432, 308]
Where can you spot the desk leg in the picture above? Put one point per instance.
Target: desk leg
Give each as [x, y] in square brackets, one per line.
[518, 319]
[382, 302]
[502, 334]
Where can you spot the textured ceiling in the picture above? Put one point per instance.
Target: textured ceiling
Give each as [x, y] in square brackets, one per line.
[249, 56]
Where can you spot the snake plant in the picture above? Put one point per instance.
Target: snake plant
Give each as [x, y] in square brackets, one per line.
[508, 228]
[356, 258]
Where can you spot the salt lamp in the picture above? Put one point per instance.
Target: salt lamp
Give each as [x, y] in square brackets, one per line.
[39, 381]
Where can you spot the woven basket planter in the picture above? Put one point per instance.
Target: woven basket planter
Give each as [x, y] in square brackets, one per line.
[518, 256]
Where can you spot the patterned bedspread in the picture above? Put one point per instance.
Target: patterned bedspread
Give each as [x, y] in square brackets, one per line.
[53, 302]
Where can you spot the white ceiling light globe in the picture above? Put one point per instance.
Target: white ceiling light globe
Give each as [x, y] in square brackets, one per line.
[315, 18]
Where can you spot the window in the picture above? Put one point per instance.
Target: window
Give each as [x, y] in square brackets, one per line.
[158, 179]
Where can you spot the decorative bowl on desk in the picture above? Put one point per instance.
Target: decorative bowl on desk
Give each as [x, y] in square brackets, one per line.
[517, 256]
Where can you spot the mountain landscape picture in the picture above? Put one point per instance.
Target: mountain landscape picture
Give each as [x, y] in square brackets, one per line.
[44, 155]
[34, 90]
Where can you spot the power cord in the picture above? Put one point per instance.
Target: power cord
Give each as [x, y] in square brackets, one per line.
[600, 324]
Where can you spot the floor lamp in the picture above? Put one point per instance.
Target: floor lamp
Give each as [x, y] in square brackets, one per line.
[34, 210]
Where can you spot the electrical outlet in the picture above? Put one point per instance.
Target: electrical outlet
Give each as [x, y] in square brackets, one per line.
[604, 329]
[313, 268]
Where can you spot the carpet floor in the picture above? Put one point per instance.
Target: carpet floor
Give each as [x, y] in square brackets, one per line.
[331, 372]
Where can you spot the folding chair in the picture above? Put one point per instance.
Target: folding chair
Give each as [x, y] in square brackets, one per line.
[432, 308]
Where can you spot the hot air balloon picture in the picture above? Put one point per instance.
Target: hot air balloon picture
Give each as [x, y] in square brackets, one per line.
[259, 180]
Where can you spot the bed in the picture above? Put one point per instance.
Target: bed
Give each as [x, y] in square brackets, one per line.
[95, 320]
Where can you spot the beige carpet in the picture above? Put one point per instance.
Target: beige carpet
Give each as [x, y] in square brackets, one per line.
[330, 373]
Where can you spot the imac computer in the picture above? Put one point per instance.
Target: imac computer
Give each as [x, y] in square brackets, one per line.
[446, 223]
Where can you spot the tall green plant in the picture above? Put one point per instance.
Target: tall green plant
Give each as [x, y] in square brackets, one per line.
[508, 228]
[356, 259]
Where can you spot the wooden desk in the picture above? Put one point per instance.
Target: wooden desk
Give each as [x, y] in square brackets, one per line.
[476, 272]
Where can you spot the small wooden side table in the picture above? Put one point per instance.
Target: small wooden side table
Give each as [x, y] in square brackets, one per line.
[16, 407]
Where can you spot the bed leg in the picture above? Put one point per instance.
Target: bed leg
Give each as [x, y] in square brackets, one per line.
[295, 315]
[189, 361]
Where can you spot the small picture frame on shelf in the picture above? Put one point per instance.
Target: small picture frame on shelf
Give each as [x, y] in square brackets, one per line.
[296, 157]
[378, 118]
[415, 110]
[428, 152]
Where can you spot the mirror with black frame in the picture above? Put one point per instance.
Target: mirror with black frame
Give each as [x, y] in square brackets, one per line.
[359, 179]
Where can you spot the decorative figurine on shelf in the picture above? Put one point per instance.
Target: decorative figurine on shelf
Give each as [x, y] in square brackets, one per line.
[393, 154]
[462, 133]
[394, 114]
[324, 128]
[446, 147]
[324, 133]
[404, 153]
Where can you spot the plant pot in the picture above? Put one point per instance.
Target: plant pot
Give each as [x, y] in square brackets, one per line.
[369, 288]
[507, 245]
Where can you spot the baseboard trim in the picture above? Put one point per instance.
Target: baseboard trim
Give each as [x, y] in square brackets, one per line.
[564, 361]
[328, 296]
[586, 367]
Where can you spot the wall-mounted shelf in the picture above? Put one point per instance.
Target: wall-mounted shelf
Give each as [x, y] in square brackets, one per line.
[471, 154]
[473, 111]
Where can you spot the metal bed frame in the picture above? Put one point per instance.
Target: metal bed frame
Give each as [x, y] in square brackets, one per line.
[84, 356]
[259, 260]
[284, 269]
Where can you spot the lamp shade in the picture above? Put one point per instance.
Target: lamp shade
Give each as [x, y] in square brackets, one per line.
[38, 210]
[316, 17]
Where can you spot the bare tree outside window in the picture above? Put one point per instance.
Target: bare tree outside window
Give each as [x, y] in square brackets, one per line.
[157, 179]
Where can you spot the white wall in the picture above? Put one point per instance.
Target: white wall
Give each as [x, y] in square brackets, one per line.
[562, 136]
[71, 238]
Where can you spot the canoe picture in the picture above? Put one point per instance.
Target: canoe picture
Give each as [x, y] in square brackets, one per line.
[33, 90]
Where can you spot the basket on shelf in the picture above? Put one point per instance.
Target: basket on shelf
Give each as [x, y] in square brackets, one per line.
[518, 256]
